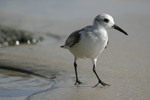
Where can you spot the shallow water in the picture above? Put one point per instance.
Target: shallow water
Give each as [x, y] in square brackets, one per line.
[18, 87]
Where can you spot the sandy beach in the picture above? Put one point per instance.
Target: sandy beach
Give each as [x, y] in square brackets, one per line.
[125, 64]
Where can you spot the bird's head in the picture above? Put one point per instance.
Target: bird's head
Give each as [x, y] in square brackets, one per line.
[106, 21]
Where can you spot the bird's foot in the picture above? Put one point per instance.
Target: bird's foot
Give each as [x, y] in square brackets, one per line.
[102, 83]
[77, 82]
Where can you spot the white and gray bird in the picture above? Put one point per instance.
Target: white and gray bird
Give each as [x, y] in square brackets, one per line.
[90, 41]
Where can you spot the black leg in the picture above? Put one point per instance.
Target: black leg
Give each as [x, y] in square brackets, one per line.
[77, 80]
[99, 80]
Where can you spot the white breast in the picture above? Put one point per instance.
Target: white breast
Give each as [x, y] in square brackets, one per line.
[90, 45]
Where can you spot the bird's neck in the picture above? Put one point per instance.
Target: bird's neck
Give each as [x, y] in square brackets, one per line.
[99, 28]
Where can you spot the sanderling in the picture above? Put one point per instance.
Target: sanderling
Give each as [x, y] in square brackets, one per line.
[90, 41]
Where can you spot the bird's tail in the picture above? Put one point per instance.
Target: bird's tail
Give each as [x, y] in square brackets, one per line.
[64, 46]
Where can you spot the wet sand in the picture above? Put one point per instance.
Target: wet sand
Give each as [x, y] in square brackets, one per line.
[124, 64]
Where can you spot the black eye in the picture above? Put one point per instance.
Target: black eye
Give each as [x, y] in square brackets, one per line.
[106, 20]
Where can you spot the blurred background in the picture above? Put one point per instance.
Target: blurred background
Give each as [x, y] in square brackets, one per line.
[55, 15]
[51, 21]
[62, 17]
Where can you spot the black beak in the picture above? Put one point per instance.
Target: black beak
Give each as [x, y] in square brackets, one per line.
[119, 29]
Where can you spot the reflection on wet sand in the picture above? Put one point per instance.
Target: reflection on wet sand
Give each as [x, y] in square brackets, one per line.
[14, 84]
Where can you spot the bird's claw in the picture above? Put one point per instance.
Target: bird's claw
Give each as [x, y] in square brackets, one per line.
[102, 83]
[77, 82]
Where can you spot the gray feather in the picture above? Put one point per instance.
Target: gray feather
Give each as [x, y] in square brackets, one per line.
[73, 38]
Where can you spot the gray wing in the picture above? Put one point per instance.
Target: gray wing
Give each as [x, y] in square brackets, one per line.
[73, 38]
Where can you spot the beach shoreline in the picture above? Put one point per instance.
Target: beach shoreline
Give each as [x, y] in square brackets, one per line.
[124, 64]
